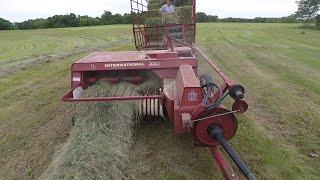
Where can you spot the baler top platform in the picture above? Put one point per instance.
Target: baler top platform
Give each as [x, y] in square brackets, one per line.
[113, 57]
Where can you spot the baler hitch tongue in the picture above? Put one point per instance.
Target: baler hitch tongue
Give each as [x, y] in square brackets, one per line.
[216, 132]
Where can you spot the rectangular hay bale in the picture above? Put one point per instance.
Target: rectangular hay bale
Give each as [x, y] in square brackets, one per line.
[185, 14]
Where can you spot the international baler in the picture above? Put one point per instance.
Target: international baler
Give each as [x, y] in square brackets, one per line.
[192, 101]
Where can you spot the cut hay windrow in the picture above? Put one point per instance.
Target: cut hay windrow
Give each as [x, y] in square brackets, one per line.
[98, 146]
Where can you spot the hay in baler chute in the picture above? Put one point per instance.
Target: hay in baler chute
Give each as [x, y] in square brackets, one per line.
[98, 146]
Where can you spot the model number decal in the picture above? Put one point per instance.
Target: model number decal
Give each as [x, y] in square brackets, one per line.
[77, 79]
[154, 64]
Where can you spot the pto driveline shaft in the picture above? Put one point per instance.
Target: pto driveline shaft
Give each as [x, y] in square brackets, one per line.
[217, 133]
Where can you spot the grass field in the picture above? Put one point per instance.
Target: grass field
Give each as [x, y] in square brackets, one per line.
[279, 65]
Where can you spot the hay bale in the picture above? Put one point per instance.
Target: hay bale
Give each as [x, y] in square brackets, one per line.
[152, 34]
[156, 21]
[156, 4]
[153, 37]
[184, 14]
[98, 146]
[170, 18]
[151, 14]
[162, 20]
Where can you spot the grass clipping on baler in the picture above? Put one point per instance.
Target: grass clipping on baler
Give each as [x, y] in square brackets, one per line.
[99, 144]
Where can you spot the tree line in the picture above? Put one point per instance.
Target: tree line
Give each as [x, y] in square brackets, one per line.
[107, 18]
[202, 17]
[307, 12]
[69, 20]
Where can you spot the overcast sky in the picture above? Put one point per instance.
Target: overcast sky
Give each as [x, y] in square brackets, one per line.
[20, 10]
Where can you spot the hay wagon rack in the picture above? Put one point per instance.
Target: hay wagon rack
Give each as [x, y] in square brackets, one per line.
[192, 101]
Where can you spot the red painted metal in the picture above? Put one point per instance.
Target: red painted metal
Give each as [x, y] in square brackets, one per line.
[224, 166]
[69, 97]
[188, 89]
[182, 93]
[241, 106]
[227, 122]
[228, 82]
[187, 94]
[116, 66]
[99, 62]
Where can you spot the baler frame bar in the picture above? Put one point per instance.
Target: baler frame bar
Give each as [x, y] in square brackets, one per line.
[225, 78]
[195, 48]
[227, 171]
[69, 98]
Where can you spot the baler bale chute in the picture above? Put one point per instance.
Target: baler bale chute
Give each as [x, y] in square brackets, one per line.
[192, 101]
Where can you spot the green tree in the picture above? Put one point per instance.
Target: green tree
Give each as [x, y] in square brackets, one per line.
[202, 17]
[106, 17]
[126, 19]
[308, 9]
[5, 24]
[117, 19]
[33, 24]
[88, 21]
[318, 20]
